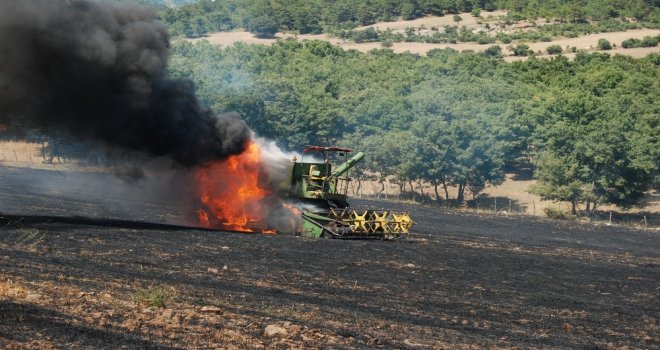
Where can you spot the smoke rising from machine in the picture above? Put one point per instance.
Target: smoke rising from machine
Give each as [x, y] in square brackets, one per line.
[98, 72]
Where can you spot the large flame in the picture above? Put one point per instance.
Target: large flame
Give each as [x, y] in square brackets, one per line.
[231, 193]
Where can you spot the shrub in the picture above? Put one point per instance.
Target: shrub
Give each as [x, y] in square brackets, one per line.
[409, 11]
[364, 36]
[457, 18]
[604, 44]
[521, 50]
[545, 39]
[554, 49]
[493, 51]
[630, 43]
[387, 43]
[476, 12]
[506, 40]
[650, 41]
[485, 39]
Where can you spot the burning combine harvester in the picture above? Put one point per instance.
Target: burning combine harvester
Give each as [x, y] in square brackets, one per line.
[325, 188]
[93, 89]
[310, 200]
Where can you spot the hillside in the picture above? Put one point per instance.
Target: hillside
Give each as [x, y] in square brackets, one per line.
[316, 16]
[587, 43]
[488, 25]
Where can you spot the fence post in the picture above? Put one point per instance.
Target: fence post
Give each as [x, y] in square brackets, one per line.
[495, 203]
[645, 223]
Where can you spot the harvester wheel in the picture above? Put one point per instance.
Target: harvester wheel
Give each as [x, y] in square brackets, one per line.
[283, 221]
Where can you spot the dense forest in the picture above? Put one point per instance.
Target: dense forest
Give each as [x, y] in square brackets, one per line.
[589, 128]
[266, 17]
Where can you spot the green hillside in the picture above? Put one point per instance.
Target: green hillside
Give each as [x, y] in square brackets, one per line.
[265, 17]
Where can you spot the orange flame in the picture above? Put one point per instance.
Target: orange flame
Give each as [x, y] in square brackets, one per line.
[231, 193]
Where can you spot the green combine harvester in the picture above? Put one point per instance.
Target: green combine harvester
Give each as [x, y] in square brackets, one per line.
[320, 190]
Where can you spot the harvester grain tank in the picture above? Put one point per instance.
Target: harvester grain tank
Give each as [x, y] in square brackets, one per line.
[321, 194]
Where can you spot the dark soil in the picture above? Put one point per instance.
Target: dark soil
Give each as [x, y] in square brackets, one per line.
[460, 281]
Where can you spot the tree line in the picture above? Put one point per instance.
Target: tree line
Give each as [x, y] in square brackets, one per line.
[266, 17]
[587, 128]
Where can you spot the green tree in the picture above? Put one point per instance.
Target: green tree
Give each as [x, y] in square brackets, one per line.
[558, 180]
[604, 44]
[410, 10]
[554, 49]
[589, 125]
[262, 27]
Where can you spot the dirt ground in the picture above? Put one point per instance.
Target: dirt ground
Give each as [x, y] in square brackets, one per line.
[459, 281]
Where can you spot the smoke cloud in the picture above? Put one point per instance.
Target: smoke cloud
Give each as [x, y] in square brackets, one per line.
[98, 71]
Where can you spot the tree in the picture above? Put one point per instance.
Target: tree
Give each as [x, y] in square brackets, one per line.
[409, 10]
[306, 19]
[558, 179]
[262, 27]
[434, 147]
[477, 155]
[589, 125]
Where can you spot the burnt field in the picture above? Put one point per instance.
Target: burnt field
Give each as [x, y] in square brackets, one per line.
[460, 281]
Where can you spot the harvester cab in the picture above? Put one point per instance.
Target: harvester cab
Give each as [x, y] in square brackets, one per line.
[317, 181]
[320, 186]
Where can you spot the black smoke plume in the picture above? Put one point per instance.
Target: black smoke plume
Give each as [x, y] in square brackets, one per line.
[98, 71]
